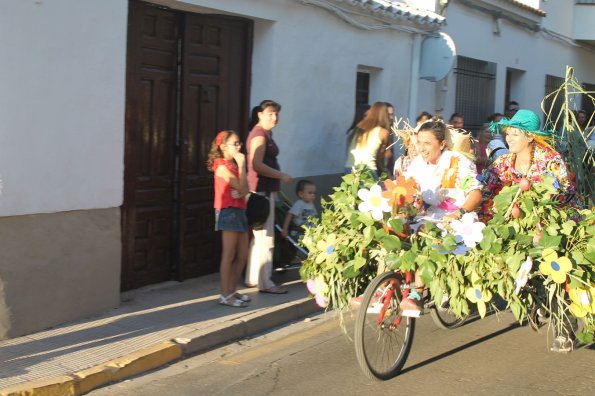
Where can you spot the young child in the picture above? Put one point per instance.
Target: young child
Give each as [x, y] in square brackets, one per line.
[301, 210]
[229, 166]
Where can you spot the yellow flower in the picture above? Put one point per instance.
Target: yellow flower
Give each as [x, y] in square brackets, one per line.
[555, 266]
[479, 297]
[582, 301]
[326, 248]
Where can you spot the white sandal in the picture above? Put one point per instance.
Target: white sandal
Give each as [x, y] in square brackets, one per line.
[242, 297]
[232, 301]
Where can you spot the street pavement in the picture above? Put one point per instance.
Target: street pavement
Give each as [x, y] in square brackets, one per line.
[152, 327]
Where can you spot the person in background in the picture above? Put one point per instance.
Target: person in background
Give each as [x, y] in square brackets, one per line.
[402, 163]
[264, 178]
[456, 120]
[302, 208]
[511, 108]
[481, 155]
[360, 113]
[389, 154]
[423, 117]
[229, 166]
[366, 146]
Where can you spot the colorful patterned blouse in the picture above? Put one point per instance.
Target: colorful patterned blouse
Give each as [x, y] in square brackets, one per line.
[545, 161]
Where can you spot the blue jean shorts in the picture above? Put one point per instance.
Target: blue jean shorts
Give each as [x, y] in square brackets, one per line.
[231, 219]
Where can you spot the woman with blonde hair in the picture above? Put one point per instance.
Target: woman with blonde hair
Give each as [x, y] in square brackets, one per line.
[368, 142]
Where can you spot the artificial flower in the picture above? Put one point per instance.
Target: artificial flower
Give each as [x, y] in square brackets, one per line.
[373, 201]
[320, 286]
[469, 229]
[326, 249]
[582, 301]
[555, 266]
[400, 191]
[479, 297]
[311, 286]
[523, 275]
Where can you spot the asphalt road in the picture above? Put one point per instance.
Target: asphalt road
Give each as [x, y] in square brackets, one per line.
[493, 356]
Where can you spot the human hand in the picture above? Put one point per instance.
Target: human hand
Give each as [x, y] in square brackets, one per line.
[235, 194]
[284, 234]
[240, 158]
[285, 178]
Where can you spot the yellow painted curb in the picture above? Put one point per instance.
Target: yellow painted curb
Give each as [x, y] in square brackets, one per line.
[86, 380]
[135, 363]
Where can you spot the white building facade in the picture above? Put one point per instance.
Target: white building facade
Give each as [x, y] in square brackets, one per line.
[108, 108]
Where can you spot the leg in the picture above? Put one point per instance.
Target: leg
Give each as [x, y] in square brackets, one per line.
[229, 240]
[260, 258]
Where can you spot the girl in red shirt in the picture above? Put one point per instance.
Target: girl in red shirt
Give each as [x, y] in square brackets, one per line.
[229, 166]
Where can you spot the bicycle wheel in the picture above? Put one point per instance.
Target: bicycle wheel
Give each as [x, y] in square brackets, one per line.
[443, 316]
[383, 337]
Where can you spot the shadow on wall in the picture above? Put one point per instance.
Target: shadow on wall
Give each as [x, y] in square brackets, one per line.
[4, 314]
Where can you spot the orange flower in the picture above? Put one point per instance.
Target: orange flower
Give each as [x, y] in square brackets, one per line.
[400, 191]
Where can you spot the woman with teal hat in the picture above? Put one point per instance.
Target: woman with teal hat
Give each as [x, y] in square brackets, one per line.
[531, 156]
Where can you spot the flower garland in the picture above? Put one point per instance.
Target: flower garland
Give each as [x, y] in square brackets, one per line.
[540, 254]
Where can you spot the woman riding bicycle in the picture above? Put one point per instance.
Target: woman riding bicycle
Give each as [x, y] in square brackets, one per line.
[448, 185]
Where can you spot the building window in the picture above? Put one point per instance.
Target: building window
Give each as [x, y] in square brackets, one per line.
[553, 104]
[475, 91]
[362, 88]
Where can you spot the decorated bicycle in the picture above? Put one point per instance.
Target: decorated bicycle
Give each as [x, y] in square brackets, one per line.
[421, 237]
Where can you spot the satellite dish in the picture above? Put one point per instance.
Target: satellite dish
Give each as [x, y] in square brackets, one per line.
[437, 57]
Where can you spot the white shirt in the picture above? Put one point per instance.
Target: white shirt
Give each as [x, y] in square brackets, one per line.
[429, 177]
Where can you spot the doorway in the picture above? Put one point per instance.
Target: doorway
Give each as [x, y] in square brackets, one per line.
[187, 78]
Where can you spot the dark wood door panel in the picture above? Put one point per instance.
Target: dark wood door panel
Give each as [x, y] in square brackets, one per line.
[215, 53]
[148, 207]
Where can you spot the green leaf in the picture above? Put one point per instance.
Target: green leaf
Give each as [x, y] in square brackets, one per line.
[391, 243]
[568, 227]
[551, 241]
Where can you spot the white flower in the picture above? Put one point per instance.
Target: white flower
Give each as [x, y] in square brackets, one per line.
[469, 229]
[373, 201]
[523, 275]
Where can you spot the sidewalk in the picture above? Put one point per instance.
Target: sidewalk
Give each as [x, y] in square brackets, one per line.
[152, 326]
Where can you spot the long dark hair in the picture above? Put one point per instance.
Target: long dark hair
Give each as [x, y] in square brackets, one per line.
[260, 108]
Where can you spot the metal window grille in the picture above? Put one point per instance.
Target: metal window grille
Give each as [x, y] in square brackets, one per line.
[362, 88]
[475, 91]
[552, 104]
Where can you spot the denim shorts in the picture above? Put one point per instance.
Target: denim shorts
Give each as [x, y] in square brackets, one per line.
[231, 219]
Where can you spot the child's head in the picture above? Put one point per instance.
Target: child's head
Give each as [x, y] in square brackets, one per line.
[225, 145]
[306, 190]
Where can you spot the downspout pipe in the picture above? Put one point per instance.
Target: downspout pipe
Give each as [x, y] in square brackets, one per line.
[414, 90]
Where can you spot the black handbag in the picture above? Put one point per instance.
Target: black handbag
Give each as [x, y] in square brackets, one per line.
[257, 210]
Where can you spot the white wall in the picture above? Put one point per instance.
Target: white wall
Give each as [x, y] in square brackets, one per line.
[62, 95]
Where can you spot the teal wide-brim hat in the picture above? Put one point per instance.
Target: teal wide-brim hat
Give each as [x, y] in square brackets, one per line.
[526, 121]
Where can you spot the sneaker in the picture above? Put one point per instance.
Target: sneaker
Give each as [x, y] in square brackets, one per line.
[410, 307]
[562, 344]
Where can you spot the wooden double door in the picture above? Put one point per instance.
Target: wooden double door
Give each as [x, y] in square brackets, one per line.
[187, 78]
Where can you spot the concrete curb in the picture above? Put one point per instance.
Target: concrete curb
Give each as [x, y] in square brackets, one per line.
[158, 355]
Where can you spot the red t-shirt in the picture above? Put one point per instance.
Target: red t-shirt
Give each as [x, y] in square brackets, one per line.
[223, 198]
